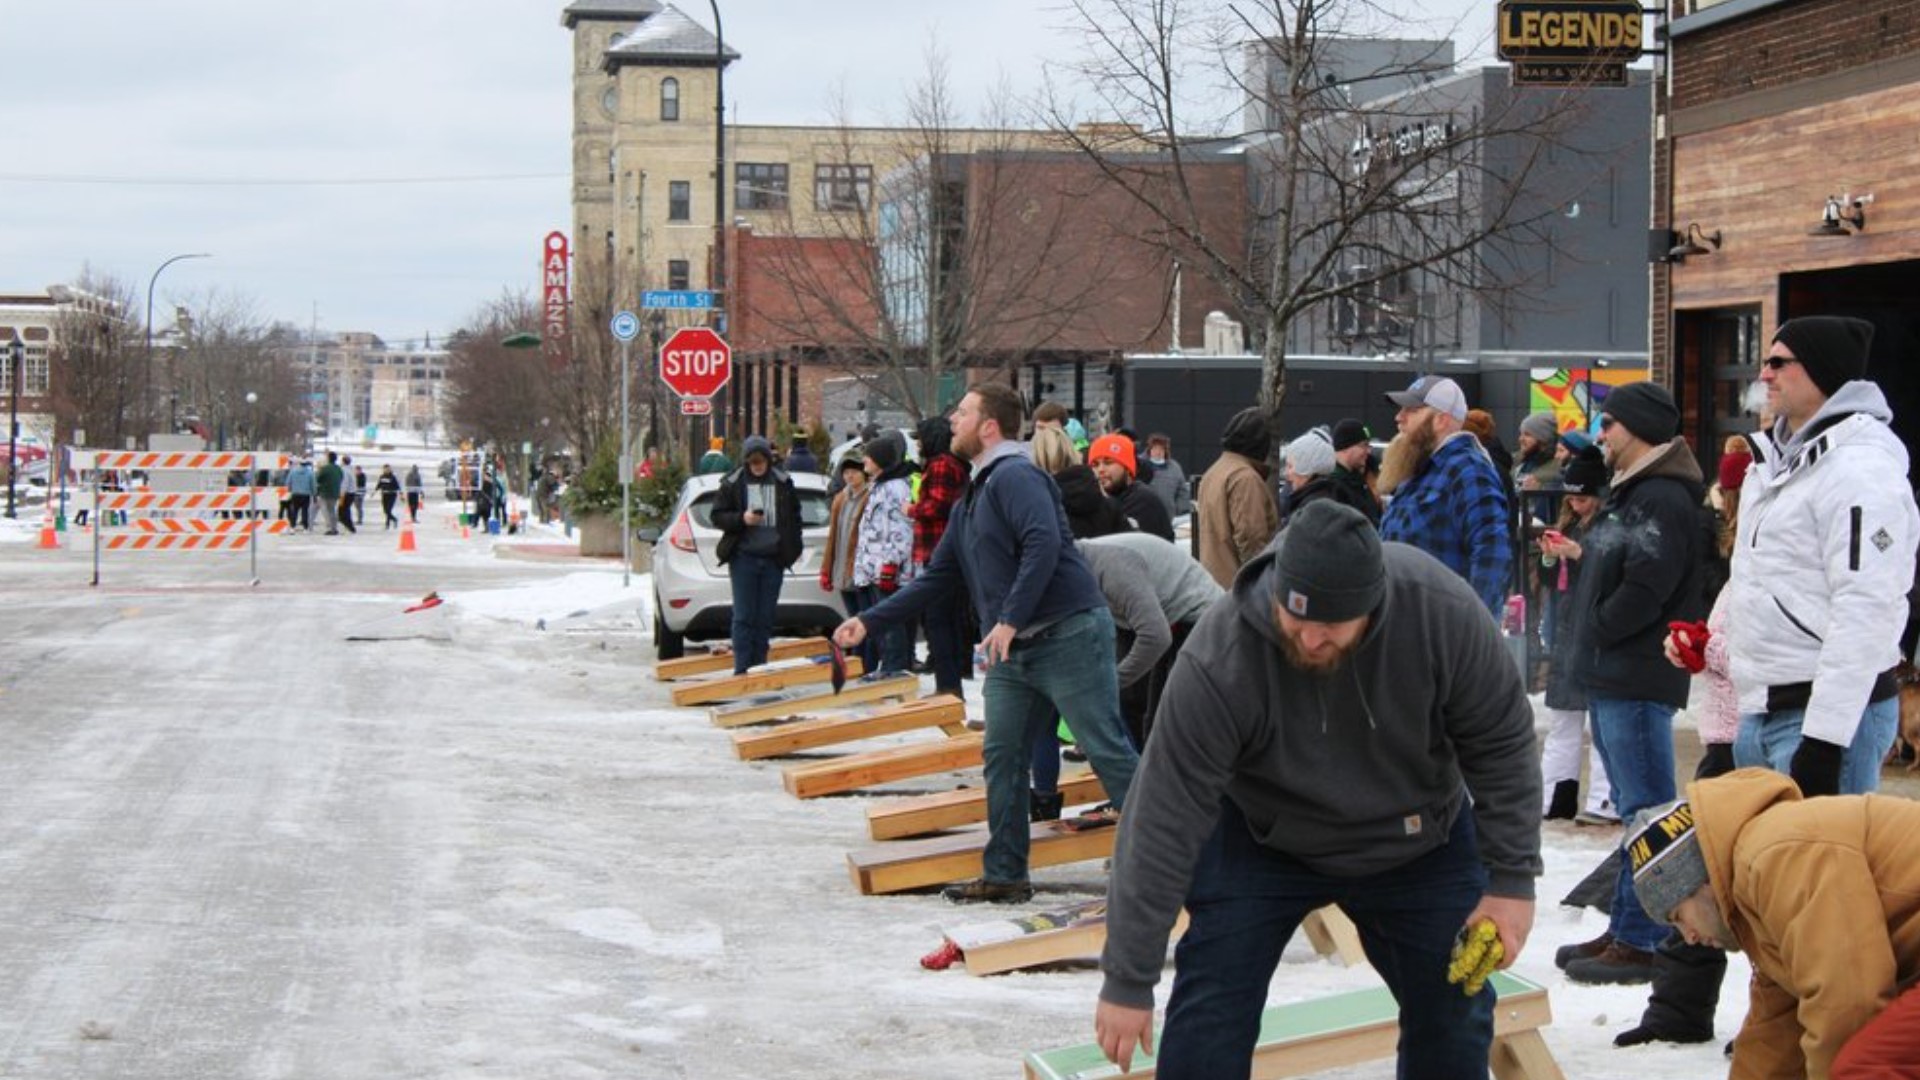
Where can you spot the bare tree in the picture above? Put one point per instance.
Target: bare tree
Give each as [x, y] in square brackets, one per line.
[498, 395]
[1361, 196]
[955, 254]
[96, 367]
[229, 376]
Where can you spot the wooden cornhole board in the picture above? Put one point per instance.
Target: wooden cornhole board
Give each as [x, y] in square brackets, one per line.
[924, 814]
[1071, 933]
[1080, 932]
[1308, 1037]
[721, 660]
[917, 864]
[856, 771]
[775, 675]
[944, 712]
[788, 704]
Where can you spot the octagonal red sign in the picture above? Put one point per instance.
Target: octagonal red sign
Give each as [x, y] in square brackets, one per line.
[696, 362]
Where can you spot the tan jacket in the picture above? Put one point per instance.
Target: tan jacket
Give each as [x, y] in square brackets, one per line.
[1236, 516]
[1824, 897]
[836, 559]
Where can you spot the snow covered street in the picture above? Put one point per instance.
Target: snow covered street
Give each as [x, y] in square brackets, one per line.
[235, 844]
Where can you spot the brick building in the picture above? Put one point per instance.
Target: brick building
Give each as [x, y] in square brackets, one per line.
[1787, 183]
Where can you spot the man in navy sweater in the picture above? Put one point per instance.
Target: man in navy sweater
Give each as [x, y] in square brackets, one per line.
[1050, 644]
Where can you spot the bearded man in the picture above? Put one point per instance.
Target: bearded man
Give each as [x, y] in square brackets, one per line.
[1453, 505]
[1345, 728]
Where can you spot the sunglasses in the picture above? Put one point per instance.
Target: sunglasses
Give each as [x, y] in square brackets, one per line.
[1775, 363]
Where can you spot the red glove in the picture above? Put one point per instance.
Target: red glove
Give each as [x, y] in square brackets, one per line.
[889, 578]
[826, 581]
[1690, 641]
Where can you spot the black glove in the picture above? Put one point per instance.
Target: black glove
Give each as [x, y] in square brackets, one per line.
[1816, 767]
[1716, 761]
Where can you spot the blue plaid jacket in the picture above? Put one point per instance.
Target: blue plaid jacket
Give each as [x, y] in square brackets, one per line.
[1455, 510]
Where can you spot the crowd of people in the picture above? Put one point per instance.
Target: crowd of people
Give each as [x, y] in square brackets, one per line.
[1315, 702]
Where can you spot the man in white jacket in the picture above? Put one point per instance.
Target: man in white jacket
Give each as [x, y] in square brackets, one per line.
[1825, 557]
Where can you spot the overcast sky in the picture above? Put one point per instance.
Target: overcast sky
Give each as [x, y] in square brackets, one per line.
[391, 165]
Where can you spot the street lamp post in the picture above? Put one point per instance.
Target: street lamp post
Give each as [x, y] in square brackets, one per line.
[16, 367]
[146, 394]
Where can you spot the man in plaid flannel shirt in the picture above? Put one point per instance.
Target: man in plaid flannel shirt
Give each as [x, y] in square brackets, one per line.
[1454, 506]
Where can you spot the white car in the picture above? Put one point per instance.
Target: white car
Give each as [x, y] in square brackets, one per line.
[692, 595]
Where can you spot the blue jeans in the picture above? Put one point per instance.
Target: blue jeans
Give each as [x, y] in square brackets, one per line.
[1635, 740]
[855, 600]
[1065, 670]
[1247, 900]
[1769, 739]
[948, 649]
[893, 650]
[756, 594]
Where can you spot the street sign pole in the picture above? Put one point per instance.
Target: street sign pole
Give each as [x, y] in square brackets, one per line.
[625, 326]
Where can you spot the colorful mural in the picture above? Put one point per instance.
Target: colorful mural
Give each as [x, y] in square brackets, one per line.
[1576, 396]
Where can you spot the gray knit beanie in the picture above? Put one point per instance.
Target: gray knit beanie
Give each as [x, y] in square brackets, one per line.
[1542, 427]
[1329, 568]
[1664, 852]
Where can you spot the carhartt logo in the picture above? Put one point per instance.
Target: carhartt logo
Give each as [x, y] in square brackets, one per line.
[1297, 603]
[1882, 541]
[1412, 824]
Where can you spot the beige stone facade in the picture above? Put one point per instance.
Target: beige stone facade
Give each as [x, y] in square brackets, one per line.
[356, 381]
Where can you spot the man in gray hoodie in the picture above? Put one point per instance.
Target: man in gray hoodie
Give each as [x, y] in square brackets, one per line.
[1347, 729]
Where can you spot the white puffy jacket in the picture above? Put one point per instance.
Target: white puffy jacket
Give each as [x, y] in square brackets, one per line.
[1824, 560]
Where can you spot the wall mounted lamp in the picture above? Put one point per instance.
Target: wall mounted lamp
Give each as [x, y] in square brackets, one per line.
[1843, 215]
[1695, 241]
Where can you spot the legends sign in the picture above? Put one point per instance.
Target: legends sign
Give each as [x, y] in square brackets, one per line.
[1570, 42]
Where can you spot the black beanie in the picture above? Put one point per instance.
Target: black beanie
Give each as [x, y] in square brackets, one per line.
[886, 449]
[1329, 568]
[1647, 410]
[1585, 474]
[1832, 348]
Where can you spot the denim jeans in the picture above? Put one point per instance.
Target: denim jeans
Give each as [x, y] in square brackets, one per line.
[948, 649]
[1247, 900]
[893, 650]
[1769, 739]
[1065, 670]
[756, 593]
[1636, 741]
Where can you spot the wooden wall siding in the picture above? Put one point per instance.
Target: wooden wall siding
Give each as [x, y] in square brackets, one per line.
[1763, 185]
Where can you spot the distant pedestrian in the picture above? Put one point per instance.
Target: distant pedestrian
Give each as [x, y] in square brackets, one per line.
[943, 479]
[715, 460]
[1113, 460]
[883, 552]
[359, 495]
[1352, 462]
[843, 538]
[1453, 506]
[1310, 465]
[800, 459]
[347, 480]
[416, 493]
[1169, 478]
[326, 489]
[300, 496]
[389, 487]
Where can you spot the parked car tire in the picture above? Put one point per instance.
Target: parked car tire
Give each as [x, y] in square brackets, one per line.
[667, 645]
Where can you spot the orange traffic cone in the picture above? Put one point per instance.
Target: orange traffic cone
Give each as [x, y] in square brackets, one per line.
[406, 535]
[49, 535]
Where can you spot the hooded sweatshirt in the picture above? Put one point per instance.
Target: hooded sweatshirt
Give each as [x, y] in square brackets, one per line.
[1824, 897]
[1352, 773]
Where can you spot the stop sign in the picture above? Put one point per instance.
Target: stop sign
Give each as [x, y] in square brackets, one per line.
[695, 362]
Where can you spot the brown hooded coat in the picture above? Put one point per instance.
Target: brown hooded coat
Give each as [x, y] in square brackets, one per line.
[1824, 897]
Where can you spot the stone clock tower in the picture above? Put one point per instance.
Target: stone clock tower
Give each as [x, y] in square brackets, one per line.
[597, 24]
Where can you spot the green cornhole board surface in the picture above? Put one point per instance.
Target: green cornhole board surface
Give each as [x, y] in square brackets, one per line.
[1278, 1023]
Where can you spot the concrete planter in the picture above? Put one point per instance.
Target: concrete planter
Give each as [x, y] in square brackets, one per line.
[599, 534]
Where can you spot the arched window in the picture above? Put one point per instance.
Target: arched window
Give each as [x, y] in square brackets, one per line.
[669, 99]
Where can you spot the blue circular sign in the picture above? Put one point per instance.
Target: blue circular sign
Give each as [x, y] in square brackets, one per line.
[626, 326]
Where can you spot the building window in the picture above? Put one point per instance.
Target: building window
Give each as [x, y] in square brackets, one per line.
[760, 187]
[677, 274]
[842, 187]
[679, 200]
[669, 99]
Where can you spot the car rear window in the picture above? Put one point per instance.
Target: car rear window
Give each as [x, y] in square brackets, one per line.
[814, 508]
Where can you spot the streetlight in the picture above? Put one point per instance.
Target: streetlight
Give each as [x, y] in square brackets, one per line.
[253, 421]
[16, 366]
[146, 395]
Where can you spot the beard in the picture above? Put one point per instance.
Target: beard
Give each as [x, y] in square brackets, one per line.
[966, 446]
[1326, 663]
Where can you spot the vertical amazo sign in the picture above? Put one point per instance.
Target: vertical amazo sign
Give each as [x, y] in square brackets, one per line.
[555, 334]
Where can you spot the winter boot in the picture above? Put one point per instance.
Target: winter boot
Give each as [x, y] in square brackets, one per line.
[1567, 954]
[1045, 806]
[1565, 802]
[980, 890]
[1619, 965]
[1686, 993]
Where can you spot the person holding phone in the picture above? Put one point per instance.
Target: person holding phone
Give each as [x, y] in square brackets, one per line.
[1584, 482]
[758, 514]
